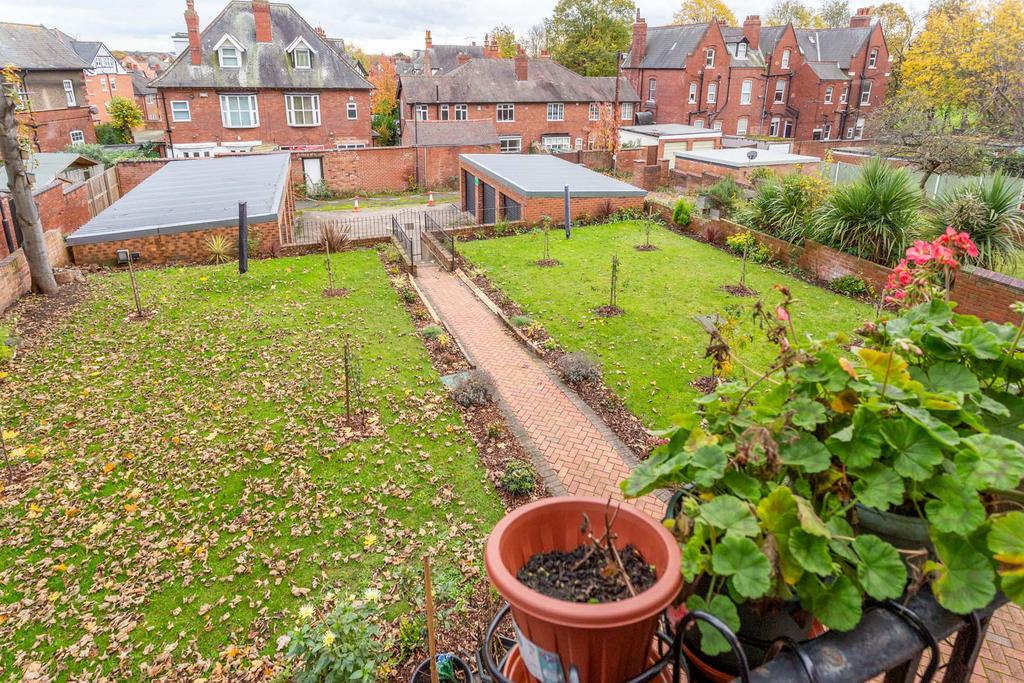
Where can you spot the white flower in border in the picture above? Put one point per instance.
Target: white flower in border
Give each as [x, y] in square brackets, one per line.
[372, 595]
[329, 639]
[306, 612]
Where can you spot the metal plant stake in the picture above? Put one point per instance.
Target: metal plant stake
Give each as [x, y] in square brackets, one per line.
[743, 269]
[135, 285]
[615, 282]
[330, 272]
[7, 458]
[348, 385]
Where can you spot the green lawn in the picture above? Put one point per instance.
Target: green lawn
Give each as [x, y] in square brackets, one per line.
[652, 352]
[186, 486]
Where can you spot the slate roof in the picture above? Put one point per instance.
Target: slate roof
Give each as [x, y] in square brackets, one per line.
[445, 133]
[833, 44]
[668, 46]
[828, 71]
[214, 188]
[47, 166]
[264, 65]
[86, 49]
[444, 58]
[769, 38]
[494, 80]
[140, 84]
[31, 46]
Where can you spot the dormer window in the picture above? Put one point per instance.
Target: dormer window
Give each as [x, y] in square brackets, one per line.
[229, 52]
[301, 53]
[741, 50]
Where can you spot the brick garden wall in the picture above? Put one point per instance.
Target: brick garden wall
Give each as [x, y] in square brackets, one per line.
[183, 247]
[62, 207]
[131, 173]
[14, 276]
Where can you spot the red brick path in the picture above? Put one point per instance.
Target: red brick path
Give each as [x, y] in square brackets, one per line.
[577, 454]
[573, 450]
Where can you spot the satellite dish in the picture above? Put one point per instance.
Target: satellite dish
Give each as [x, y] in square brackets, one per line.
[752, 154]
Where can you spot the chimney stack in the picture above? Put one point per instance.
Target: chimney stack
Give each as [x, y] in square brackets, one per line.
[862, 19]
[192, 27]
[638, 47]
[428, 42]
[544, 54]
[261, 14]
[463, 58]
[320, 32]
[752, 30]
[522, 65]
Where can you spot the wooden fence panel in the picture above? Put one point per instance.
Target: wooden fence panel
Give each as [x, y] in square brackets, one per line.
[103, 191]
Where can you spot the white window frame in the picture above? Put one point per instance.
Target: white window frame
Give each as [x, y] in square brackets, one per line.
[79, 134]
[579, 144]
[717, 125]
[844, 94]
[699, 123]
[506, 146]
[858, 129]
[709, 58]
[785, 59]
[741, 50]
[461, 112]
[297, 63]
[780, 92]
[113, 84]
[443, 112]
[556, 111]
[505, 112]
[150, 99]
[350, 145]
[545, 141]
[229, 51]
[595, 111]
[351, 111]
[69, 93]
[176, 116]
[103, 85]
[828, 95]
[291, 110]
[742, 125]
[253, 111]
[865, 93]
[652, 88]
[787, 128]
[421, 112]
[826, 131]
[712, 93]
[692, 95]
[873, 59]
[747, 91]
[626, 111]
[773, 127]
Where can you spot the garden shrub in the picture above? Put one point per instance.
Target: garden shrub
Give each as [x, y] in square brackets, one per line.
[494, 430]
[108, 134]
[786, 209]
[220, 249]
[341, 647]
[521, 320]
[549, 344]
[431, 332]
[725, 195]
[988, 211]
[740, 241]
[876, 217]
[408, 295]
[335, 236]
[476, 389]
[761, 175]
[850, 285]
[320, 191]
[578, 367]
[518, 478]
[682, 213]
[7, 344]
[632, 213]
[412, 631]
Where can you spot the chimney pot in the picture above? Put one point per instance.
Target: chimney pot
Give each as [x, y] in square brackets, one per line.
[463, 58]
[862, 19]
[752, 30]
[428, 41]
[522, 66]
[195, 49]
[261, 16]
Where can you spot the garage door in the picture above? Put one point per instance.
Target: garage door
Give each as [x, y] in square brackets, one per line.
[469, 192]
[670, 152]
[511, 209]
[703, 144]
[489, 214]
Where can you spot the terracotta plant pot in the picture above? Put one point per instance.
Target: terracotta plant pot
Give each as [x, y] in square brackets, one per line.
[605, 643]
[514, 668]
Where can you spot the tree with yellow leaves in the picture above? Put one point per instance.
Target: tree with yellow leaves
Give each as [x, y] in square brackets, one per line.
[938, 64]
[704, 11]
[384, 101]
[998, 64]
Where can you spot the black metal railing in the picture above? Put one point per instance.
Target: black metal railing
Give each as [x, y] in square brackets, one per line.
[444, 239]
[311, 225]
[404, 240]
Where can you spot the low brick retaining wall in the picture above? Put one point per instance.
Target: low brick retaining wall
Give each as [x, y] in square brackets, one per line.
[182, 247]
[14, 276]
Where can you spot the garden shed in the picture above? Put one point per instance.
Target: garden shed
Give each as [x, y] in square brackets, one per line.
[172, 215]
[739, 161]
[525, 187]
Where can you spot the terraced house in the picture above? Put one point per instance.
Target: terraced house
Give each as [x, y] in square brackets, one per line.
[534, 103]
[777, 81]
[259, 77]
[105, 79]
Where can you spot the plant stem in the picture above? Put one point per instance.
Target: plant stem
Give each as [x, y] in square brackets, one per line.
[885, 380]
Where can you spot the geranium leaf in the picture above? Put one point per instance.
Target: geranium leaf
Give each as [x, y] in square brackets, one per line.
[999, 462]
[806, 452]
[835, 603]
[879, 568]
[743, 485]
[730, 514]
[885, 367]
[980, 343]
[809, 520]
[953, 507]
[746, 566]
[951, 377]
[662, 468]
[937, 429]
[807, 414]
[712, 642]
[811, 552]
[708, 465]
[859, 444]
[963, 577]
[1006, 541]
[777, 511]
[917, 453]
[878, 487]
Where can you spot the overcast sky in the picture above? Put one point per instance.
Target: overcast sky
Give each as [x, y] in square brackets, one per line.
[376, 26]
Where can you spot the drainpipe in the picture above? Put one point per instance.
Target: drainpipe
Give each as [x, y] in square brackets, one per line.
[167, 126]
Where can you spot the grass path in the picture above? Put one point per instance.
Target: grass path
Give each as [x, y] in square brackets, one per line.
[652, 352]
[188, 485]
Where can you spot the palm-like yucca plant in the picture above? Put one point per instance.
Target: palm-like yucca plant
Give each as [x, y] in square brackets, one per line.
[876, 217]
[988, 211]
[785, 208]
[220, 249]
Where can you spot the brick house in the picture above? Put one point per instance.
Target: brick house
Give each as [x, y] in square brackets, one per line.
[51, 82]
[439, 59]
[534, 103]
[146, 98]
[150, 64]
[105, 79]
[774, 81]
[259, 77]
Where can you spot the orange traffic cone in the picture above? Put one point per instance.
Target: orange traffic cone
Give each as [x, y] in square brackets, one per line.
[355, 205]
[430, 199]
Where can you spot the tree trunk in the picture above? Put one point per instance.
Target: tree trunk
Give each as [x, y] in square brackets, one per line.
[33, 242]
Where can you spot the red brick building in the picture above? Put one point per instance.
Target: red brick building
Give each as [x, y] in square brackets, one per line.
[775, 81]
[51, 86]
[259, 77]
[534, 103]
[105, 79]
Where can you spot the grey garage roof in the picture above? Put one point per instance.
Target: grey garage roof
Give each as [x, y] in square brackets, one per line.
[193, 194]
[543, 175]
[739, 157]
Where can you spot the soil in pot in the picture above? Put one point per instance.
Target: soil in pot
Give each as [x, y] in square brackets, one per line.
[588, 575]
